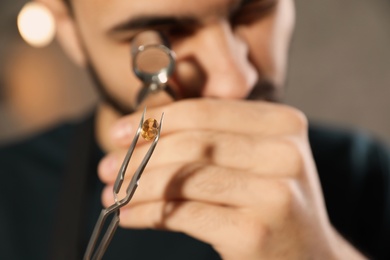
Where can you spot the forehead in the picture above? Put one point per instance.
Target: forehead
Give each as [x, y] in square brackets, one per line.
[106, 12]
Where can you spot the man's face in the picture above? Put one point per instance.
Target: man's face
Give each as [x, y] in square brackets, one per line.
[224, 48]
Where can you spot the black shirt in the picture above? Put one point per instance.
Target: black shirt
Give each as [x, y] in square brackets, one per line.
[36, 216]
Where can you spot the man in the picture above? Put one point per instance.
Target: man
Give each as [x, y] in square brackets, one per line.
[234, 173]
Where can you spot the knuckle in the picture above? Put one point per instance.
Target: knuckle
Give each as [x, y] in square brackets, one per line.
[292, 155]
[285, 196]
[285, 199]
[295, 119]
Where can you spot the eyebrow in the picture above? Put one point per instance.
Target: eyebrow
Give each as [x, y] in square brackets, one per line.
[155, 21]
[144, 22]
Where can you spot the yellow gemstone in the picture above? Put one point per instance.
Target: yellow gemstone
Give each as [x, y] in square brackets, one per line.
[149, 129]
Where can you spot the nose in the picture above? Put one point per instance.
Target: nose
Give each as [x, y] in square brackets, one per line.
[214, 62]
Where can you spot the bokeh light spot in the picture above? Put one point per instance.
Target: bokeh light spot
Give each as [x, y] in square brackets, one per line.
[36, 24]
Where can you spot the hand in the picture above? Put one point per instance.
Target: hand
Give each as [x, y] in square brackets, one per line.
[238, 175]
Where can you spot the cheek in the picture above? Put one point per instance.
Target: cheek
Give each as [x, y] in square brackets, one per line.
[111, 60]
[269, 41]
[113, 64]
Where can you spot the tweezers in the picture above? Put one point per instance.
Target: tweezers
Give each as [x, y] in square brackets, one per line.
[97, 254]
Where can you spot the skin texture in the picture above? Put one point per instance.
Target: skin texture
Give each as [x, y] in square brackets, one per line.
[234, 173]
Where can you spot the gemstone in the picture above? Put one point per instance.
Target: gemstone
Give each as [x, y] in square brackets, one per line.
[149, 129]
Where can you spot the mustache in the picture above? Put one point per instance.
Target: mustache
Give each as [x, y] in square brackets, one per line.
[265, 90]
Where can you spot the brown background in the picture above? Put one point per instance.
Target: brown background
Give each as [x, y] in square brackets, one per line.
[340, 63]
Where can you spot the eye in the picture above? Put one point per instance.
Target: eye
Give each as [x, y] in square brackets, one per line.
[170, 32]
[252, 10]
[175, 32]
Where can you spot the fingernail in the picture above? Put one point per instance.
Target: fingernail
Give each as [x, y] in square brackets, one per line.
[122, 130]
[108, 166]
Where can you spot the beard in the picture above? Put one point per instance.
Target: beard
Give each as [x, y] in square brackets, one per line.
[263, 90]
[104, 94]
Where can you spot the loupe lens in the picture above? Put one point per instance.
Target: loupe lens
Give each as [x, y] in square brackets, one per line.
[153, 62]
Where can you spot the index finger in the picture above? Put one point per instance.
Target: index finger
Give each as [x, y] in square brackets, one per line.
[233, 116]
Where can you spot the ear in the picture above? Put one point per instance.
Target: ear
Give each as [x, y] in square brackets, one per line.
[67, 34]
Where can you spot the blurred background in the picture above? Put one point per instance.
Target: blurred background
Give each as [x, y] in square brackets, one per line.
[339, 71]
[39, 87]
[340, 63]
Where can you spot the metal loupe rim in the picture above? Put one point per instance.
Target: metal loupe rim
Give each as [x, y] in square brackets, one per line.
[150, 77]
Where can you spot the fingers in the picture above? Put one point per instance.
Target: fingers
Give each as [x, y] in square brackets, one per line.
[198, 146]
[228, 173]
[207, 184]
[210, 224]
[240, 233]
[233, 116]
[222, 149]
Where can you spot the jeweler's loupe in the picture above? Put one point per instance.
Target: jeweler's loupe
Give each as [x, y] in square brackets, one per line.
[153, 62]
